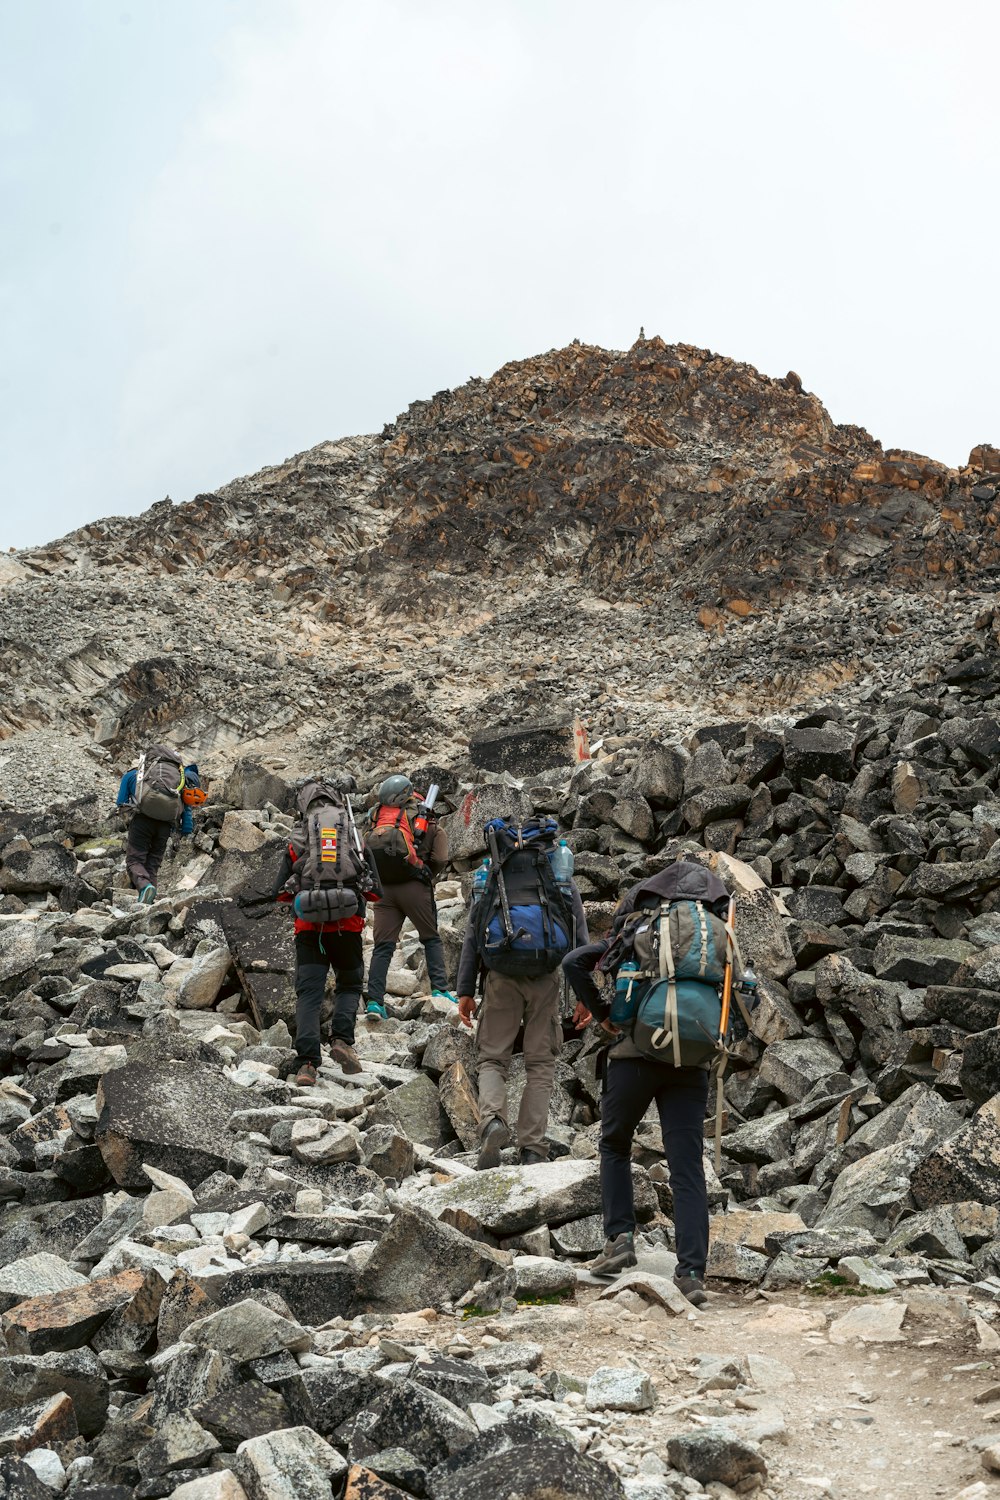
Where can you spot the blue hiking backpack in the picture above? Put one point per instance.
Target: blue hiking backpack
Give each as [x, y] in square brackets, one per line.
[523, 919]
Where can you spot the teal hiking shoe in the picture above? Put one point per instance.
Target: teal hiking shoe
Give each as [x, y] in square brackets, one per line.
[147, 895]
[444, 995]
[375, 1012]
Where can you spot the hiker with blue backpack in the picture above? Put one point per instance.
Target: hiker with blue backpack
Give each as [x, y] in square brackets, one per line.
[161, 792]
[669, 959]
[525, 915]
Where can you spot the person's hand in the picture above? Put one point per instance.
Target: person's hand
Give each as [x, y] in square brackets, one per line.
[581, 1016]
[610, 1027]
[466, 1007]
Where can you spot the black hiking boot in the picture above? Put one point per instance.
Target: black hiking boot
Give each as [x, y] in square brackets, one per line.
[530, 1158]
[618, 1254]
[693, 1288]
[495, 1137]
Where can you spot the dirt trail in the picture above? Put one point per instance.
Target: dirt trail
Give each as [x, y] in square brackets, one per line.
[845, 1420]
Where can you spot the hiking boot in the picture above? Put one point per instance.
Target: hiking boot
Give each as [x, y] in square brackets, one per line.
[495, 1137]
[618, 1254]
[530, 1158]
[147, 895]
[374, 1011]
[344, 1054]
[306, 1076]
[444, 995]
[692, 1287]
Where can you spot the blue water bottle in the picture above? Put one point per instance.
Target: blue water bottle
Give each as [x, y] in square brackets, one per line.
[626, 993]
[479, 880]
[561, 860]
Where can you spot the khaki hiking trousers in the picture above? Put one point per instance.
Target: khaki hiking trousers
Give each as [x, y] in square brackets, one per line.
[507, 1004]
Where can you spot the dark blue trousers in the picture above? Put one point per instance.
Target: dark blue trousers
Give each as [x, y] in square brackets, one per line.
[681, 1095]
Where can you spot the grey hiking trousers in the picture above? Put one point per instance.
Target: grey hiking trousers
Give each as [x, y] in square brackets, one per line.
[507, 1004]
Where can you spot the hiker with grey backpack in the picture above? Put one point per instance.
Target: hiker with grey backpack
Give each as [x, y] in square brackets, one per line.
[160, 793]
[327, 876]
[671, 1015]
[524, 914]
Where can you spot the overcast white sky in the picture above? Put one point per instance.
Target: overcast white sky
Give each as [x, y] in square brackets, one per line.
[233, 228]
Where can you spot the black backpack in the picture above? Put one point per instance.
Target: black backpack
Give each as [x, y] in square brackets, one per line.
[330, 873]
[523, 920]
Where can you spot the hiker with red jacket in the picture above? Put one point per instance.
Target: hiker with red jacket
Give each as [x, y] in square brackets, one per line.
[327, 876]
[410, 849]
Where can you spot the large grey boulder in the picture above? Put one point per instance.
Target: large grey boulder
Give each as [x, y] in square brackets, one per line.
[543, 1469]
[26, 872]
[172, 1115]
[464, 827]
[966, 1166]
[292, 1464]
[509, 1200]
[420, 1262]
[35, 1276]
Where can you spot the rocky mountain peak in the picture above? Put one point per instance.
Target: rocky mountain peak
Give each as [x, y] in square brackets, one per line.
[647, 536]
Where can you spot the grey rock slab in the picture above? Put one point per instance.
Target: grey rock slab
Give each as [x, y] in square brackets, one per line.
[26, 1378]
[966, 1166]
[500, 1359]
[172, 1115]
[509, 1200]
[716, 1454]
[314, 1290]
[420, 1262]
[415, 1109]
[582, 1237]
[541, 1276]
[180, 1443]
[659, 1290]
[430, 1426]
[794, 1067]
[35, 1276]
[292, 1464]
[872, 1193]
[873, 1322]
[544, 1468]
[620, 1388]
[247, 1330]
[921, 961]
[859, 1271]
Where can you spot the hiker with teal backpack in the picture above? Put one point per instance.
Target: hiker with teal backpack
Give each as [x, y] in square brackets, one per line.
[670, 958]
[524, 914]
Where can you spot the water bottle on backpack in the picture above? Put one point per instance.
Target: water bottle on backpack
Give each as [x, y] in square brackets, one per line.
[479, 880]
[626, 996]
[561, 860]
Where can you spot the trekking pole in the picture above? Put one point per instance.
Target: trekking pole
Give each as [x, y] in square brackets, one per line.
[355, 835]
[727, 982]
[508, 923]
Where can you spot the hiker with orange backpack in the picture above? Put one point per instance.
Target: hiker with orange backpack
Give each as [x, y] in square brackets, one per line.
[327, 876]
[410, 849]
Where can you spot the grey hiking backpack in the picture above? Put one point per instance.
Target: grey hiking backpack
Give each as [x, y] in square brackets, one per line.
[330, 869]
[159, 783]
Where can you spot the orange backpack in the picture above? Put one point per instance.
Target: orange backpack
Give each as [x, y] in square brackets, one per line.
[392, 844]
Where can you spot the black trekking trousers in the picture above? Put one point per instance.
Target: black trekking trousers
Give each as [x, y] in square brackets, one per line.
[681, 1094]
[316, 953]
[145, 847]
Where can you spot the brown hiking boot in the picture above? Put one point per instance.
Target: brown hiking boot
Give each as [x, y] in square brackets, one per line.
[306, 1076]
[344, 1054]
